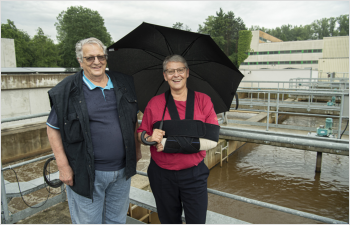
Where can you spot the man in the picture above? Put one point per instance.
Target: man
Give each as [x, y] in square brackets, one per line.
[92, 131]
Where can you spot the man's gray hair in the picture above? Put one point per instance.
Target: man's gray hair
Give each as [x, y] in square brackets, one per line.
[174, 58]
[79, 47]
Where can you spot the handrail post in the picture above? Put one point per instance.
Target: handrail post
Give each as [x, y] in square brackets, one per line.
[268, 112]
[277, 107]
[340, 115]
[4, 204]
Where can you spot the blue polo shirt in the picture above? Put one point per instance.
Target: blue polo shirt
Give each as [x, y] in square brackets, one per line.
[107, 140]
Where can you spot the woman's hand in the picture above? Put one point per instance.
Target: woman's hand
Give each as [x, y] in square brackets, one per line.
[159, 147]
[157, 136]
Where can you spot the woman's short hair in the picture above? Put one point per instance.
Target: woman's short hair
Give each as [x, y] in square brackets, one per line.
[79, 47]
[174, 58]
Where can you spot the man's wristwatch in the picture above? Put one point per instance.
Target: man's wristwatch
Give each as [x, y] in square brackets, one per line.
[147, 138]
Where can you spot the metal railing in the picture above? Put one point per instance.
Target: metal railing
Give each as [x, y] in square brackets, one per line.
[300, 83]
[24, 117]
[6, 215]
[7, 218]
[277, 104]
[315, 83]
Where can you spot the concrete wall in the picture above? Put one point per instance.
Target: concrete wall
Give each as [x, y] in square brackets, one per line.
[23, 142]
[335, 57]
[213, 157]
[8, 54]
[338, 65]
[274, 75]
[26, 94]
[336, 47]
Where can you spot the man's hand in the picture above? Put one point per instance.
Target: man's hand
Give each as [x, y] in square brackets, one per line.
[66, 175]
[66, 172]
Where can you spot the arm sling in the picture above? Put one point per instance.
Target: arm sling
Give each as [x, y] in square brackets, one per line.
[183, 135]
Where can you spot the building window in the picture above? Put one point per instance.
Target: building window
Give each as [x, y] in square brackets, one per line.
[285, 52]
[263, 39]
[308, 51]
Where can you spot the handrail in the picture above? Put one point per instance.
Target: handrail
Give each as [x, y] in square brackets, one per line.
[24, 117]
[310, 104]
[224, 194]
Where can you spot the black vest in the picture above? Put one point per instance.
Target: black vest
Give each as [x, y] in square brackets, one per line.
[68, 99]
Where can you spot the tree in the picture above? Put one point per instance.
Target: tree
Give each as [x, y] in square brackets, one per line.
[321, 28]
[44, 51]
[21, 38]
[223, 29]
[180, 26]
[245, 38]
[343, 21]
[75, 24]
[325, 27]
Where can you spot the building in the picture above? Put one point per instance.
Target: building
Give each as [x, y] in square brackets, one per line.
[335, 59]
[8, 55]
[328, 55]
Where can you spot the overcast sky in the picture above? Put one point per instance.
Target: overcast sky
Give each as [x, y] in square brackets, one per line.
[121, 17]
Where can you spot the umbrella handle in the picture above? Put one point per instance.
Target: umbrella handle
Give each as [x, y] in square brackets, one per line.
[144, 140]
[52, 183]
[143, 135]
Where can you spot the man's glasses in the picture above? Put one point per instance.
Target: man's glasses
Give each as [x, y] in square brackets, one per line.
[101, 58]
[179, 71]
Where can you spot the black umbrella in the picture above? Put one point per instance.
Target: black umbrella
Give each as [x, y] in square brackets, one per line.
[141, 54]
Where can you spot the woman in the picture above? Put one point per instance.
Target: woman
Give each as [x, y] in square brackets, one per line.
[177, 180]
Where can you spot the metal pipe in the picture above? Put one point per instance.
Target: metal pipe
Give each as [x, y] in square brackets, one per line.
[340, 116]
[27, 162]
[4, 206]
[268, 112]
[276, 207]
[313, 92]
[292, 139]
[24, 117]
[277, 108]
[291, 113]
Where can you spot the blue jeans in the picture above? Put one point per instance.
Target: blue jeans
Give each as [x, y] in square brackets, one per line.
[110, 200]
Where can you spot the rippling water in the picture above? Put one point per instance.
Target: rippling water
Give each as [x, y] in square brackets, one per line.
[284, 177]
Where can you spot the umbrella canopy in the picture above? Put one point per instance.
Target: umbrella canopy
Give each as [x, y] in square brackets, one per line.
[141, 54]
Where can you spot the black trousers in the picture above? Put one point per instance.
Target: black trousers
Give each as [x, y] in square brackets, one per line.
[176, 190]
